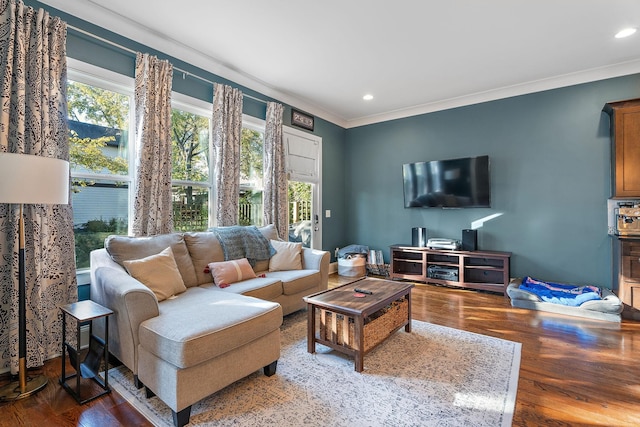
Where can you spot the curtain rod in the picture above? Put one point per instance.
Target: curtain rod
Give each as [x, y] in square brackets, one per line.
[126, 49]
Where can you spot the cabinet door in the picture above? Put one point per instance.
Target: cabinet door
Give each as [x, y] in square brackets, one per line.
[626, 133]
[629, 280]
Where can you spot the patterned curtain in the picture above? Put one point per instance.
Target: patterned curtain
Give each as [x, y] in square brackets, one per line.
[33, 120]
[152, 208]
[227, 130]
[276, 206]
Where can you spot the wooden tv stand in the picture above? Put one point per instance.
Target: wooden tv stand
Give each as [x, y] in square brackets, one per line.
[485, 270]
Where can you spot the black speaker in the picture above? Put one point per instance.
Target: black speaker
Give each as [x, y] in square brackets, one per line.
[419, 237]
[469, 240]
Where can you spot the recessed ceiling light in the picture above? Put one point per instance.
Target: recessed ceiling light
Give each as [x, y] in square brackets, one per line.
[367, 97]
[625, 33]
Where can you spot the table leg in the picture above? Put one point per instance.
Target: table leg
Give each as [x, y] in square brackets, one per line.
[359, 343]
[311, 328]
[105, 354]
[77, 367]
[63, 375]
[407, 327]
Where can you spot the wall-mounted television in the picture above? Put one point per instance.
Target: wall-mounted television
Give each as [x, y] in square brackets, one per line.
[453, 183]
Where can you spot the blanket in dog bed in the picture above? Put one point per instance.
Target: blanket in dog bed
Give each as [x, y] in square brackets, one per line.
[560, 293]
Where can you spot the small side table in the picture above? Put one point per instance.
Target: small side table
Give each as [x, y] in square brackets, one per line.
[86, 311]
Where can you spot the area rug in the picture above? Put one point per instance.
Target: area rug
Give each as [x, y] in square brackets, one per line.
[433, 376]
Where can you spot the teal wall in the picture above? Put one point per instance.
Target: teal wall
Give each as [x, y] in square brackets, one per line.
[550, 178]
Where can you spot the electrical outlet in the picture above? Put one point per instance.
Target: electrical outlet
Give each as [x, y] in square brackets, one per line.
[335, 253]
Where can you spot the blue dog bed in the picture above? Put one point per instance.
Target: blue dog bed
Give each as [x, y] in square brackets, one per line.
[604, 305]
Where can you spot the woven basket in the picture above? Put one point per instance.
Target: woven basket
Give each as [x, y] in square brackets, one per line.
[340, 330]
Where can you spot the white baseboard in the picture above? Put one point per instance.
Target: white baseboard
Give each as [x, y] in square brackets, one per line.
[333, 267]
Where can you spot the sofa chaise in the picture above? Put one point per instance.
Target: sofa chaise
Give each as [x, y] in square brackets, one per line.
[199, 331]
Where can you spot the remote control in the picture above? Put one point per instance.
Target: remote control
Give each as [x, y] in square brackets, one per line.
[362, 291]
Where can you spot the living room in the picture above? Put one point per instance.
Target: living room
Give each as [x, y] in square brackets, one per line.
[555, 224]
[549, 150]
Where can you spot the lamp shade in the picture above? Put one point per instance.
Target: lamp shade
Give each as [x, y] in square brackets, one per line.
[30, 179]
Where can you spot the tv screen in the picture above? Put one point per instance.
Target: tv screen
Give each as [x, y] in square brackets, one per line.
[454, 183]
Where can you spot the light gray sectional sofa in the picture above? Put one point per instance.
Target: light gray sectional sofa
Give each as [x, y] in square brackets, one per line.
[204, 337]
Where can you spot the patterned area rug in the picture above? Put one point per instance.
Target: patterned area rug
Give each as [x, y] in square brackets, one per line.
[432, 376]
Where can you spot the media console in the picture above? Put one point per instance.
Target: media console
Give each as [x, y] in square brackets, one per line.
[485, 270]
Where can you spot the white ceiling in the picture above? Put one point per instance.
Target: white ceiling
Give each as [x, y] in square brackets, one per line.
[413, 56]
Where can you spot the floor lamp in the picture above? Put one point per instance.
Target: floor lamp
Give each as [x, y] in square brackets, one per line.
[28, 179]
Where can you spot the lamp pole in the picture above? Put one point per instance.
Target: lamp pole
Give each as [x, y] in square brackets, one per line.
[34, 180]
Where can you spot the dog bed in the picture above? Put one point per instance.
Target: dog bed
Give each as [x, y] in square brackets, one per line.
[606, 307]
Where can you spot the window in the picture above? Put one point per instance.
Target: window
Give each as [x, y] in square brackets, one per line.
[251, 172]
[304, 162]
[300, 212]
[100, 156]
[191, 177]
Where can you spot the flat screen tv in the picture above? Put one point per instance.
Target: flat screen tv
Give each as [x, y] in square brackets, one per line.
[453, 183]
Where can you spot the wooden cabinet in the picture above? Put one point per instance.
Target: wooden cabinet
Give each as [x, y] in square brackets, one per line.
[629, 277]
[485, 270]
[625, 138]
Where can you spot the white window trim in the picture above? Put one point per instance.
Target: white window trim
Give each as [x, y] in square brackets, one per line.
[202, 108]
[85, 73]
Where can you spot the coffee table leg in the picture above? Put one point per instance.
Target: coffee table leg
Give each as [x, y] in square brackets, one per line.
[359, 338]
[311, 328]
[407, 327]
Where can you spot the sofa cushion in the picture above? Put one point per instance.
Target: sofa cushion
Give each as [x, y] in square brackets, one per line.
[201, 324]
[288, 256]
[296, 281]
[267, 288]
[124, 248]
[225, 273]
[271, 233]
[159, 273]
[204, 248]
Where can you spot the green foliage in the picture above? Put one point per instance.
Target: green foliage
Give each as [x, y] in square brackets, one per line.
[190, 146]
[85, 243]
[96, 106]
[113, 226]
[88, 153]
[90, 104]
[251, 154]
[91, 235]
[299, 191]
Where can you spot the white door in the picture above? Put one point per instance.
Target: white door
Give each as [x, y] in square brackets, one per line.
[304, 163]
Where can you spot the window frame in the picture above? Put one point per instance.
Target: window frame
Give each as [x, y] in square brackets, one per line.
[202, 108]
[84, 73]
[258, 125]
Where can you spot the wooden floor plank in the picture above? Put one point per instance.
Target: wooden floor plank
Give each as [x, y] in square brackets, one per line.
[574, 372]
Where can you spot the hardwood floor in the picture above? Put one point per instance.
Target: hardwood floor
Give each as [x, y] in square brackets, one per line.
[574, 372]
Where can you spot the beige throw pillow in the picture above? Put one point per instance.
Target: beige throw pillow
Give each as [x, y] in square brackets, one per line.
[287, 257]
[159, 273]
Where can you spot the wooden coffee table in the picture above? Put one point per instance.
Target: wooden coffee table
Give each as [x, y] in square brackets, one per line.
[339, 319]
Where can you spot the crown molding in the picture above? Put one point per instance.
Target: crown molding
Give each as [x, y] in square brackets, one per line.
[571, 79]
[109, 20]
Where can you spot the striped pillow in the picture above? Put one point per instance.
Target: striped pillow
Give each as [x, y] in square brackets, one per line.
[227, 272]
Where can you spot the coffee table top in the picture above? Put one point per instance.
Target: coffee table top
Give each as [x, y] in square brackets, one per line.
[342, 299]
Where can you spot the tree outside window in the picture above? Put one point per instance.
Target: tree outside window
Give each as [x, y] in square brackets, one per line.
[190, 173]
[251, 177]
[98, 153]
